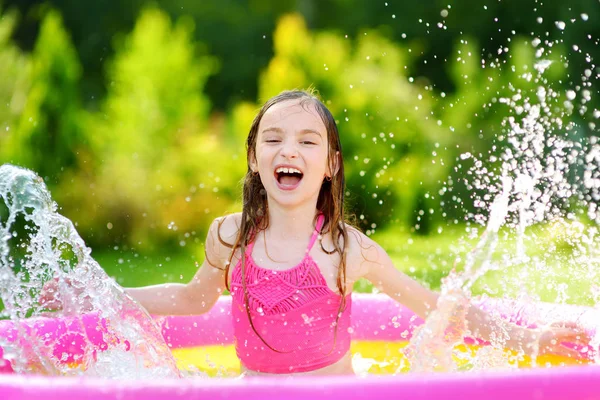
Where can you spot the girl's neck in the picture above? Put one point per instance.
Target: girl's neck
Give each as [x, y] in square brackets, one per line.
[291, 224]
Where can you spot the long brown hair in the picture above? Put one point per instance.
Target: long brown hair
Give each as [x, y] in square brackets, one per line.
[330, 203]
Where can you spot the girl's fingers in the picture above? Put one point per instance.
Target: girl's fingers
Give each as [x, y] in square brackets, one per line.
[576, 337]
[566, 324]
[573, 351]
[51, 304]
[49, 295]
[566, 340]
[567, 352]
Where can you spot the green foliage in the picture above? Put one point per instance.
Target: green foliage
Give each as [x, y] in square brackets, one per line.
[385, 121]
[13, 85]
[159, 163]
[48, 135]
[153, 163]
[239, 32]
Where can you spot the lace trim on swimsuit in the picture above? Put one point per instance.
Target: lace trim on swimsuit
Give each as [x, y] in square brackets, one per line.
[273, 292]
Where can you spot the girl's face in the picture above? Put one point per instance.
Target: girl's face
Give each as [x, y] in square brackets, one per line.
[291, 153]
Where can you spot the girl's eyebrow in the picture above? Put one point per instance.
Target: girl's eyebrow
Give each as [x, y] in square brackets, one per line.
[279, 130]
[272, 129]
[311, 131]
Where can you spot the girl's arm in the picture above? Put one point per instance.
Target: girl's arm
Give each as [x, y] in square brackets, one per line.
[379, 270]
[195, 297]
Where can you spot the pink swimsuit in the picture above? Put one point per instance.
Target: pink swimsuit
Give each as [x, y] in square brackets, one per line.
[294, 311]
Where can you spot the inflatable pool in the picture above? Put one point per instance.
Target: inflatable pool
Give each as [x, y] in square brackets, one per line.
[381, 329]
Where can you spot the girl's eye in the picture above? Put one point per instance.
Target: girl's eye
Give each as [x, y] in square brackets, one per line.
[272, 141]
[307, 142]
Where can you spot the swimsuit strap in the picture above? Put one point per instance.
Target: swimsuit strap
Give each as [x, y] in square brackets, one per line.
[316, 233]
[320, 221]
[249, 247]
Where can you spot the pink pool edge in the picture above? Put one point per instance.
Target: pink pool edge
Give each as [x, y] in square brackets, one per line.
[375, 317]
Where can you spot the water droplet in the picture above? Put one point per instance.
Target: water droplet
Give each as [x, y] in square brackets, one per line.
[542, 65]
[560, 25]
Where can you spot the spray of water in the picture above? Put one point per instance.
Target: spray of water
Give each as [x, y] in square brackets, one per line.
[36, 245]
[544, 184]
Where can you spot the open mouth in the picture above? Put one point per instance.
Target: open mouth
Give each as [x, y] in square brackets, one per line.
[289, 177]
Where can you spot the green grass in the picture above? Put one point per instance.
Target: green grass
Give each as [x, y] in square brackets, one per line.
[131, 269]
[554, 266]
[552, 271]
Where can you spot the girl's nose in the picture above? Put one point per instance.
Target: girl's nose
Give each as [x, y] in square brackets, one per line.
[289, 149]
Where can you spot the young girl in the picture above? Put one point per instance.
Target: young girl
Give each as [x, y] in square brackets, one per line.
[290, 260]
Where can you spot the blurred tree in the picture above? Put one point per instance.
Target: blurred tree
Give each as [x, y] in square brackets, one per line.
[159, 162]
[221, 24]
[14, 84]
[239, 32]
[150, 162]
[92, 26]
[48, 133]
[387, 130]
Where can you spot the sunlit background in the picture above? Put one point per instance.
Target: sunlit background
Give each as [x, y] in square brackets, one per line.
[135, 113]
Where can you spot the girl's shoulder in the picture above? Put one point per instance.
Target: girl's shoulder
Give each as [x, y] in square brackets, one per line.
[362, 251]
[221, 237]
[228, 226]
[358, 240]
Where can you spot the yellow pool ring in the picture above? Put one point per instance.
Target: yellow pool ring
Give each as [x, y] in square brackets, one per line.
[387, 358]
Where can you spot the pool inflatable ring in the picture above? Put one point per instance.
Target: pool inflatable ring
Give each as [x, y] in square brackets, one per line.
[381, 327]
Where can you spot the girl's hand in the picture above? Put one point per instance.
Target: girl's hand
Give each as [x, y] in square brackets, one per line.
[50, 296]
[552, 339]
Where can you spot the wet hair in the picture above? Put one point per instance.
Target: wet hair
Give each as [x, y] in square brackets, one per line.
[330, 203]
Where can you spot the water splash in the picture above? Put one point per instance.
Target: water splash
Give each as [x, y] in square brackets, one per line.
[543, 188]
[36, 245]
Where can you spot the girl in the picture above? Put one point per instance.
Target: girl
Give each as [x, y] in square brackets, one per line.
[290, 260]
